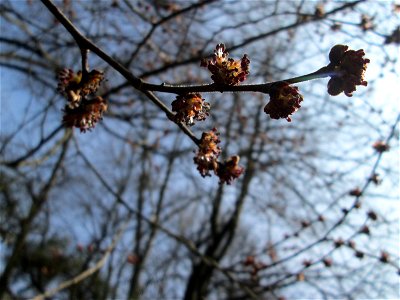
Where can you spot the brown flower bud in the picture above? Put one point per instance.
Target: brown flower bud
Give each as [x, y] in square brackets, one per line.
[300, 277]
[349, 68]
[305, 224]
[359, 254]
[380, 146]
[284, 101]
[225, 70]
[190, 107]
[336, 53]
[365, 230]
[372, 215]
[355, 192]
[86, 115]
[327, 262]
[339, 242]
[207, 155]
[384, 257]
[229, 170]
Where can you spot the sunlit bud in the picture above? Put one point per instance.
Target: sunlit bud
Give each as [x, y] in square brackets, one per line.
[226, 70]
[190, 107]
[380, 146]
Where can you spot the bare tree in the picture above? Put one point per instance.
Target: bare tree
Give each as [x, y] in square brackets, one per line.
[138, 164]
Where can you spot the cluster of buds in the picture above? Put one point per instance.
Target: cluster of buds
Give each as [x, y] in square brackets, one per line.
[365, 230]
[226, 70]
[80, 111]
[255, 266]
[74, 87]
[208, 153]
[284, 101]
[206, 159]
[86, 115]
[190, 107]
[349, 68]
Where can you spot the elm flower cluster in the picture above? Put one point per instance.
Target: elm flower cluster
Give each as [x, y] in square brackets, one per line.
[284, 101]
[206, 159]
[81, 111]
[226, 70]
[86, 115]
[349, 68]
[229, 170]
[73, 87]
[190, 107]
[208, 153]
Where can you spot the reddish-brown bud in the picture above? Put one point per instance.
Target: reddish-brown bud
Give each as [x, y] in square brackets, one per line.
[355, 192]
[372, 215]
[300, 277]
[349, 70]
[86, 115]
[339, 242]
[74, 87]
[380, 146]
[249, 260]
[327, 262]
[284, 101]
[384, 257]
[207, 155]
[226, 70]
[365, 230]
[229, 170]
[336, 53]
[359, 254]
[190, 107]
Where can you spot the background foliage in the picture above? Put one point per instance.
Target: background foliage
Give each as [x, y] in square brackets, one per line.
[127, 194]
